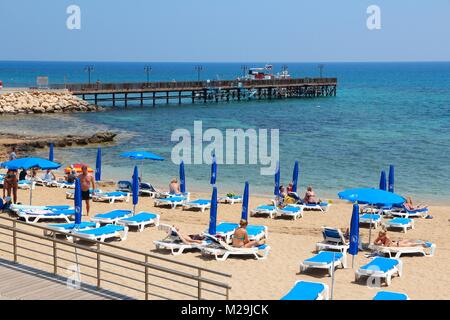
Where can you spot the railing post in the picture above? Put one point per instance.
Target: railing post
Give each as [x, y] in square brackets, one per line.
[98, 266]
[199, 285]
[146, 278]
[55, 257]
[14, 242]
[228, 294]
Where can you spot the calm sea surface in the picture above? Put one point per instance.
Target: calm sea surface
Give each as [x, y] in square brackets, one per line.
[384, 113]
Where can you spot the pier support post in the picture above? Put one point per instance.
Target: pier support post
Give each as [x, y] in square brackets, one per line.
[167, 97]
[179, 97]
[154, 98]
[142, 99]
[95, 99]
[114, 99]
[126, 100]
[205, 95]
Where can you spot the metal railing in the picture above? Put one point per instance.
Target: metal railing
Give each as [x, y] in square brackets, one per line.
[128, 272]
[190, 85]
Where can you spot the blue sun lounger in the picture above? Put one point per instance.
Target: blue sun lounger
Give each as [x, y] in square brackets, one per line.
[198, 204]
[305, 290]
[333, 239]
[370, 218]
[111, 197]
[173, 202]
[222, 250]
[290, 211]
[406, 213]
[231, 200]
[140, 220]
[124, 186]
[111, 217]
[427, 251]
[35, 215]
[387, 295]
[264, 210]
[325, 260]
[66, 228]
[102, 233]
[379, 267]
[400, 223]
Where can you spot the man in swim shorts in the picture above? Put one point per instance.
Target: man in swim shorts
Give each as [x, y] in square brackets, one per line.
[86, 181]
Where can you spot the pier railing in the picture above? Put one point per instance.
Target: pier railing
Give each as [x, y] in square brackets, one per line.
[132, 273]
[190, 85]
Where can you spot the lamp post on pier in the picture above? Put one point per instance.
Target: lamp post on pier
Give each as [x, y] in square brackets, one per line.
[147, 70]
[89, 69]
[321, 66]
[244, 69]
[199, 69]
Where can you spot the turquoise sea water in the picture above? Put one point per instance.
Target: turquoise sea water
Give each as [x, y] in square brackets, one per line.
[384, 113]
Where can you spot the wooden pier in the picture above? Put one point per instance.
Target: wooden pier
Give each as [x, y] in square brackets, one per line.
[150, 93]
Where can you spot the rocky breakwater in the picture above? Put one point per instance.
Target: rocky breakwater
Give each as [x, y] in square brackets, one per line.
[38, 101]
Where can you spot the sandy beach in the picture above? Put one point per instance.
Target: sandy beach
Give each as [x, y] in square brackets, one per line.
[291, 242]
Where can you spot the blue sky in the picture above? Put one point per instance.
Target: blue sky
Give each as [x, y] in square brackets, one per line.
[232, 30]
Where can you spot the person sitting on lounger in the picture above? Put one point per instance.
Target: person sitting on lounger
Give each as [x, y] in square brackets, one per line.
[409, 205]
[310, 196]
[240, 237]
[49, 176]
[189, 239]
[174, 186]
[290, 187]
[23, 175]
[279, 199]
[383, 240]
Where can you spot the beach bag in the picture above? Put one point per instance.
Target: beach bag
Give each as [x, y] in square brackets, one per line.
[290, 200]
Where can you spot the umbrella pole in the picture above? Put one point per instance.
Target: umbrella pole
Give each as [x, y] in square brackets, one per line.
[353, 261]
[370, 227]
[31, 191]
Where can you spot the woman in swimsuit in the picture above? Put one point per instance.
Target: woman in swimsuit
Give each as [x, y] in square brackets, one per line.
[189, 239]
[174, 186]
[240, 237]
[409, 205]
[310, 196]
[384, 241]
[11, 184]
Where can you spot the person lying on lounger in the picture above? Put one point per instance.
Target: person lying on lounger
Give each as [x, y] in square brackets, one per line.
[189, 239]
[174, 186]
[240, 237]
[310, 196]
[383, 240]
[409, 205]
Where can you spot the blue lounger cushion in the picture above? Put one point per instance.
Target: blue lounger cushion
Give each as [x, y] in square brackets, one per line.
[305, 291]
[386, 295]
[380, 264]
[226, 227]
[141, 217]
[416, 210]
[173, 199]
[369, 216]
[291, 209]
[57, 207]
[399, 221]
[113, 214]
[108, 229]
[325, 257]
[332, 233]
[114, 194]
[71, 226]
[269, 208]
[200, 202]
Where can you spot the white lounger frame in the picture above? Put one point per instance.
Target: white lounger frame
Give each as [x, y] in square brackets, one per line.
[122, 235]
[221, 254]
[396, 252]
[230, 200]
[111, 199]
[190, 205]
[329, 266]
[396, 270]
[34, 218]
[173, 243]
[165, 202]
[387, 224]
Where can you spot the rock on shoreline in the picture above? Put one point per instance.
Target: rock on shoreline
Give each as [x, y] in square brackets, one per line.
[37, 101]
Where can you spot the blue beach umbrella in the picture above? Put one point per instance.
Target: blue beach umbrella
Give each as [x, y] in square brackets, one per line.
[135, 188]
[295, 177]
[354, 232]
[29, 163]
[141, 155]
[98, 165]
[78, 203]
[50, 153]
[213, 170]
[244, 214]
[383, 180]
[371, 196]
[276, 190]
[391, 179]
[213, 213]
[182, 178]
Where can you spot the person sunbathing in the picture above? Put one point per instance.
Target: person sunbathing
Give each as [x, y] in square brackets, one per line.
[189, 239]
[240, 237]
[409, 205]
[310, 196]
[383, 240]
[174, 186]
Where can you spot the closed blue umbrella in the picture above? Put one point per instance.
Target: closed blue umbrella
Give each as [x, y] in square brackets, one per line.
[213, 170]
[295, 177]
[135, 188]
[50, 153]
[29, 163]
[391, 179]
[78, 203]
[182, 178]
[276, 190]
[98, 165]
[213, 213]
[244, 215]
[354, 233]
[383, 180]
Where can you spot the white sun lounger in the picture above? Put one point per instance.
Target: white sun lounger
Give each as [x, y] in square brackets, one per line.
[165, 195]
[67, 228]
[387, 295]
[333, 239]
[305, 290]
[397, 252]
[198, 204]
[17, 207]
[35, 215]
[140, 220]
[221, 251]
[65, 184]
[399, 223]
[379, 267]
[102, 233]
[231, 200]
[148, 190]
[370, 218]
[174, 243]
[111, 217]
[264, 210]
[173, 202]
[70, 194]
[111, 197]
[325, 260]
[290, 211]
